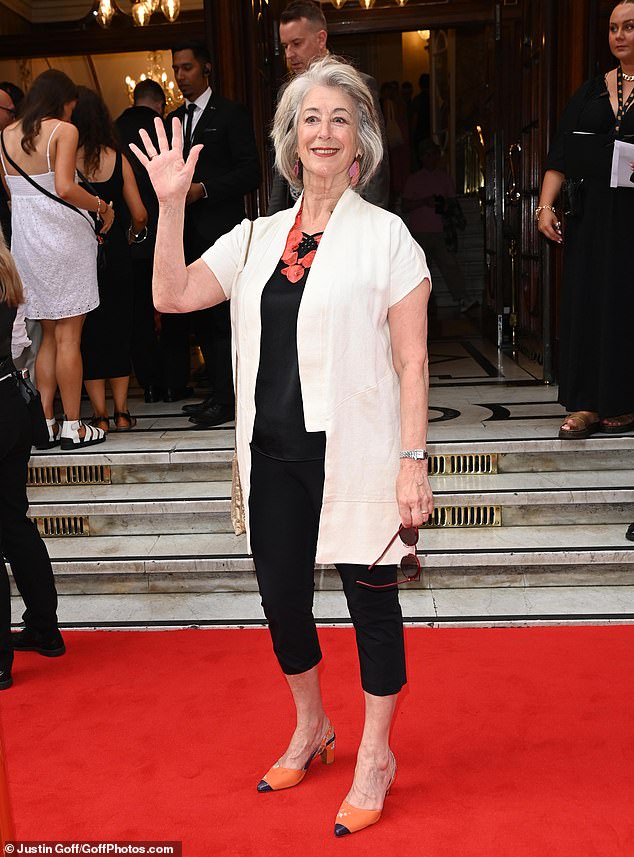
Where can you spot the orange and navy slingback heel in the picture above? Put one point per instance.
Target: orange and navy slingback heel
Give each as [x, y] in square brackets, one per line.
[351, 819]
[278, 778]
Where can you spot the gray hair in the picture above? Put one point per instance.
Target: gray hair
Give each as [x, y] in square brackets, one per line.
[334, 72]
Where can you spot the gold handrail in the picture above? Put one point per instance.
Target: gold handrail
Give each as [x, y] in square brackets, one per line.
[7, 831]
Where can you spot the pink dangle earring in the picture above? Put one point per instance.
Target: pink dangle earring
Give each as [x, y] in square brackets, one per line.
[296, 168]
[354, 171]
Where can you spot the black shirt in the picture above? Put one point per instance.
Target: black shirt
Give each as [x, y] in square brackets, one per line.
[7, 317]
[279, 430]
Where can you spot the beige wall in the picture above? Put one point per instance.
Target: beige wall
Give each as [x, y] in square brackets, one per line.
[415, 58]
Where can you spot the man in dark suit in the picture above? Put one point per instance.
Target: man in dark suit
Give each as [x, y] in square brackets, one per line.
[227, 169]
[303, 38]
[149, 102]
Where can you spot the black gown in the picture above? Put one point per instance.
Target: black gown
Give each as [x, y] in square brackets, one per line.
[107, 334]
[596, 368]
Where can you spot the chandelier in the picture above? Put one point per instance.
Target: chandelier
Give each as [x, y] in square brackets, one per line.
[156, 72]
[365, 4]
[139, 10]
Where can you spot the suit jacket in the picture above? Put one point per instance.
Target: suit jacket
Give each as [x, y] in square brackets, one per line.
[377, 190]
[128, 126]
[228, 166]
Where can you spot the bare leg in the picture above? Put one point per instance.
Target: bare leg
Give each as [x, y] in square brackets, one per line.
[45, 368]
[312, 722]
[96, 390]
[120, 393]
[374, 766]
[69, 364]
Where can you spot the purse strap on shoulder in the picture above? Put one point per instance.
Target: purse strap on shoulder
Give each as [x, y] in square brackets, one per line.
[39, 187]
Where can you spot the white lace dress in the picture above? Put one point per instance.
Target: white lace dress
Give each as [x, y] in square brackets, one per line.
[54, 248]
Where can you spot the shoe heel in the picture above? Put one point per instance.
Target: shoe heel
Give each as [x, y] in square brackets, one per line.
[328, 753]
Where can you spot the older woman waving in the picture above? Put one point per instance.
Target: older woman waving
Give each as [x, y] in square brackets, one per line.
[328, 306]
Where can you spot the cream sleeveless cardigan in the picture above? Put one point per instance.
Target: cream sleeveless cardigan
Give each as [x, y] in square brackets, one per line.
[367, 261]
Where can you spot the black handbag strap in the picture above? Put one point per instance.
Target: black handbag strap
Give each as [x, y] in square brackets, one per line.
[43, 190]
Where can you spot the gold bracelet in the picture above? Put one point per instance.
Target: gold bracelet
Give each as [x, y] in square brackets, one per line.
[98, 207]
[540, 208]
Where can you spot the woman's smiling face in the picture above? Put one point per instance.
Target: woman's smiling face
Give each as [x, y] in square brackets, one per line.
[327, 133]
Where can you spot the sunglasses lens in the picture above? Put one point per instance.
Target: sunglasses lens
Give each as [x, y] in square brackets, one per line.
[409, 535]
[410, 567]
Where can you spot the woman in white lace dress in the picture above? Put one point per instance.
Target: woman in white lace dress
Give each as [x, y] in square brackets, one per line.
[54, 244]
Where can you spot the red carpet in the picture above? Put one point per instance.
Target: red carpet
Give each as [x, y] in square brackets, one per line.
[510, 742]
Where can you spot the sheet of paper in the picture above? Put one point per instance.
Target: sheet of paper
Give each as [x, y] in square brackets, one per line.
[622, 172]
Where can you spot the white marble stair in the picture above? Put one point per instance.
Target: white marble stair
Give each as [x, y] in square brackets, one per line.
[199, 507]
[511, 556]
[162, 524]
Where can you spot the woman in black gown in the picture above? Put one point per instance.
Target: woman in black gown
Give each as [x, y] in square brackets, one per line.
[596, 377]
[107, 334]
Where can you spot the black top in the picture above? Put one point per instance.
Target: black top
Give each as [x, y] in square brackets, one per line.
[280, 430]
[128, 126]
[5, 215]
[582, 147]
[7, 317]
[107, 332]
[228, 166]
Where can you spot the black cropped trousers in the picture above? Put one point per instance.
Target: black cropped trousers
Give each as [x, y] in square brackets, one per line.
[284, 508]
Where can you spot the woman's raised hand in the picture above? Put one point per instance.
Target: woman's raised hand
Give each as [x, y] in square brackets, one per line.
[171, 177]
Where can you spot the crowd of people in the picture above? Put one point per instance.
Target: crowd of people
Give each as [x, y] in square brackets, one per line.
[80, 217]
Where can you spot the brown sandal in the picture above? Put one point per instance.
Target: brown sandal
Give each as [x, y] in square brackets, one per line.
[102, 423]
[587, 426]
[129, 422]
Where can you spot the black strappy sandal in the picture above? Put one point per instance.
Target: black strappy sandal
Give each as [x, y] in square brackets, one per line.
[129, 420]
[102, 423]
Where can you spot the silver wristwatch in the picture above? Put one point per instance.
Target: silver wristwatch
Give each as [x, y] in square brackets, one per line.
[418, 454]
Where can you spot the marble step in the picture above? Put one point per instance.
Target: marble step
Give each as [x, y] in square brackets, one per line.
[206, 455]
[438, 607]
[530, 556]
[200, 507]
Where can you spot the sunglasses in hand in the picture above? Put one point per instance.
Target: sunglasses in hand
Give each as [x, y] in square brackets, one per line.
[409, 565]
